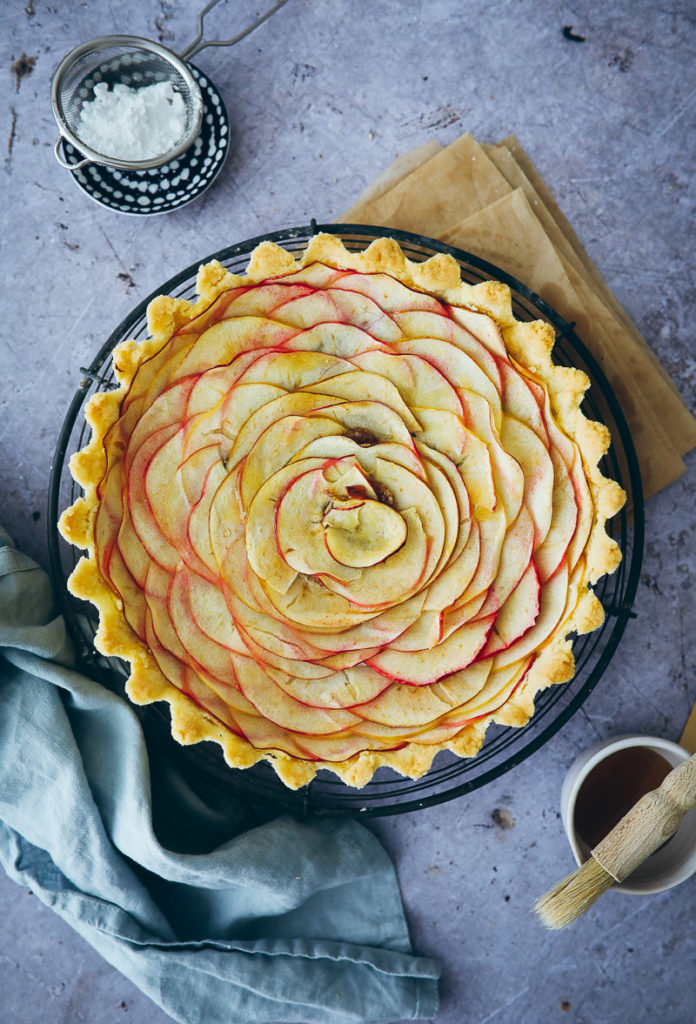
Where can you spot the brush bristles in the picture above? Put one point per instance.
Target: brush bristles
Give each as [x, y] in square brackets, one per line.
[564, 904]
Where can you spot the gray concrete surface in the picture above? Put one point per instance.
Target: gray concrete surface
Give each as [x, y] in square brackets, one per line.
[321, 99]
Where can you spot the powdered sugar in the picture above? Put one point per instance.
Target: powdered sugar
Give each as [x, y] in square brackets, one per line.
[133, 124]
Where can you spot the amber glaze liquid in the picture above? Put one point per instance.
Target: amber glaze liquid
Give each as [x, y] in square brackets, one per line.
[611, 789]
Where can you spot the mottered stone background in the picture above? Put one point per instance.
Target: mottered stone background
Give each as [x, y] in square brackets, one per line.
[321, 99]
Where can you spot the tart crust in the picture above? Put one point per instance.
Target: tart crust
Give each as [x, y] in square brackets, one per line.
[529, 344]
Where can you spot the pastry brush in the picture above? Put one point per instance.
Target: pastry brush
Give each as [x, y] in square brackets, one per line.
[649, 824]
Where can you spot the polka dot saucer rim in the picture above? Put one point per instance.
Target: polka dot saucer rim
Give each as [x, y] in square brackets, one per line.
[168, 187]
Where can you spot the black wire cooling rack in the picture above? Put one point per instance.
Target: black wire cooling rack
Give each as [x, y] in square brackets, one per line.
[450, 776]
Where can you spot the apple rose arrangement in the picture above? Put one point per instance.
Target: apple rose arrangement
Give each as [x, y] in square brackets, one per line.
[343, 511]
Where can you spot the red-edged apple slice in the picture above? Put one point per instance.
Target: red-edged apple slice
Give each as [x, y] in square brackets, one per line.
[499, 687]
[308, 603]
[344, 689]
[141, 514]
[339, 446]
[336, 339]
[363, 312]
[552, 603]
[201, 649]
[422, 667]
[449, 508]
[265, 735]
[315, 308]
[481, 327]
[375, 418]
[264, 647]
[390, 295]
[360, 385]
[278, 445]
[298, 403]
[402, 706]
[129, 591]
[460, 368]
[212, 703]
[277, 706]
[295, 370]
[168, 500]
[515, 556]
[525, 446]
[198, 527]
[549, 555]
[520, 401]
[169, 409]
[171, 667]
[492, 529]
[456, 577]
[585, 506]
[316, 275]
[442, 432]
[517, 615]
[264, 299]
[459, 616]
[419, 382]
[424, 634]
[223, 341]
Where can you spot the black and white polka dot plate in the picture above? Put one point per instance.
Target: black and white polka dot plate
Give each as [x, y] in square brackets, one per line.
[172, 185]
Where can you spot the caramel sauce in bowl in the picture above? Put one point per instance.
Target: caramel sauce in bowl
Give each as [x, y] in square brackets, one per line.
[604, 783]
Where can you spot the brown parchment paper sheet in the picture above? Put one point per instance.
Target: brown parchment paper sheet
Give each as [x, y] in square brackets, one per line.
[491, 201]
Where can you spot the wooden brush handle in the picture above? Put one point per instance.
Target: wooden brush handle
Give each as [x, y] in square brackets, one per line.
[649, 823]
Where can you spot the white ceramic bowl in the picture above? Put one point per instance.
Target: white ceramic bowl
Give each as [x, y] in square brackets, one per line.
[667, 867]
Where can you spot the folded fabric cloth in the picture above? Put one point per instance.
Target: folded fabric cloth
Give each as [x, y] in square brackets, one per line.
[286, 921]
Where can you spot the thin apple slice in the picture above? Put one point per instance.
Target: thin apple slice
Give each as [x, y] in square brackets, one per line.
[336, 339]
[492, 529]
[277, 706]
[458, 367]
[360, 310]
[564, 519]
[223, 341]
[391, 295]
[295, 370]
[515, 557]
[299, 403]
[552, 603]
[520, 401]
[345, 689]
[359, 385]
[455, 578]
[419, 668]
[264, 299]
[481, 327]
[419, 383]
[402, 706]
[517, 615]
[526, 447]
[202, 650]
[424, 634]
[144, 523]
[278, 445]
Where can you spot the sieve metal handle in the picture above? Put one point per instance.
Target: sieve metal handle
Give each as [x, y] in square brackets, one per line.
[199, 44]
[64, 163]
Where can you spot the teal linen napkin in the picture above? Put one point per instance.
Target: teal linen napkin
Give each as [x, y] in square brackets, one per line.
[215, 920]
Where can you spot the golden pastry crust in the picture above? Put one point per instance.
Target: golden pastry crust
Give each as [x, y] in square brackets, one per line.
[529, 345]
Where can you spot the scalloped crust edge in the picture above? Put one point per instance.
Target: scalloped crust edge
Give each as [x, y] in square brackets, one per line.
[530, 344]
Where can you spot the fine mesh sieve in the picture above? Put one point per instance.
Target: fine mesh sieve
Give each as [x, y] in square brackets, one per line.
[137, 63]
[134, 62]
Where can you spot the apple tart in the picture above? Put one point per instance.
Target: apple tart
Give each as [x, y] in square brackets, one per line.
[342, 512]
